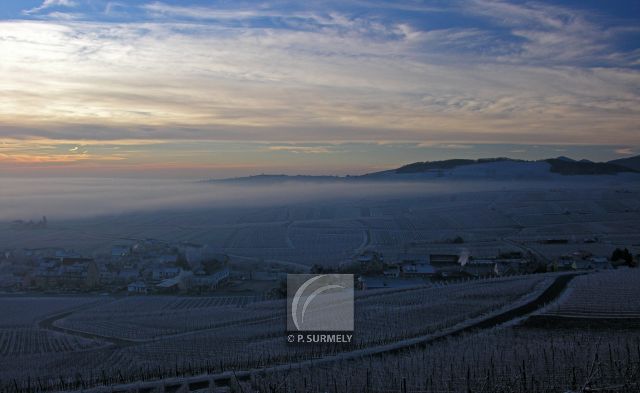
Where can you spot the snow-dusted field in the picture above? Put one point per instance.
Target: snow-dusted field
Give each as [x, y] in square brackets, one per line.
[507, 360]
[607, 294]
[116, 341]
[138, 336]
[19, 311]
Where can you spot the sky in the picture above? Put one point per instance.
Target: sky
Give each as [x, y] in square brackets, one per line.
[211, 89]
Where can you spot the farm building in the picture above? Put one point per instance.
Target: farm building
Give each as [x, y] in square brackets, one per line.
[444, 260]
[451, 272]
[137, 287]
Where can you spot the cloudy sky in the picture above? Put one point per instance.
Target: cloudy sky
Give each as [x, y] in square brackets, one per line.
[223, 88]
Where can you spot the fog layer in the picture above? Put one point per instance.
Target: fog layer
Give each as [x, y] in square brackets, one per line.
[86, 197]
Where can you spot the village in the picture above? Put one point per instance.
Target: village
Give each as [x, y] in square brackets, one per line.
[411, 269]
[152, 266]
[148, 266]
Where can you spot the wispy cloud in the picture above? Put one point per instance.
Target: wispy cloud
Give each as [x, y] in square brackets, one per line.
[158, 9]
[551, 34]
[301, 149]
[114, 8]
[298, 73]
[456, 146]
[199, 81]
[54, 158]
[50, 3]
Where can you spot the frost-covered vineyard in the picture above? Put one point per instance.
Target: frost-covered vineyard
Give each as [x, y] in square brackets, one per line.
[18, 312]
[612, 294]
[505, 360]
[429, 309]
[114, 341]
[149, 337]
[96, 341]
[29, 341]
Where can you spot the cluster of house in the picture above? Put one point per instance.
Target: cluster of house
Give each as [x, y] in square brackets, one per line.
[445, 266]
[462, 265]
[47, 268]
[579, 260]
[65, 270]
[142, 267]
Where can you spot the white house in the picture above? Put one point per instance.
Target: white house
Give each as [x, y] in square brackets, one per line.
[137, 287]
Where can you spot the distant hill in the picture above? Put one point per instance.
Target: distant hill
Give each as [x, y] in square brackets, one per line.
[565, 167]
[565, 158]
[630, 162]
[417, 167]
[500, 168]
[561, 165]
